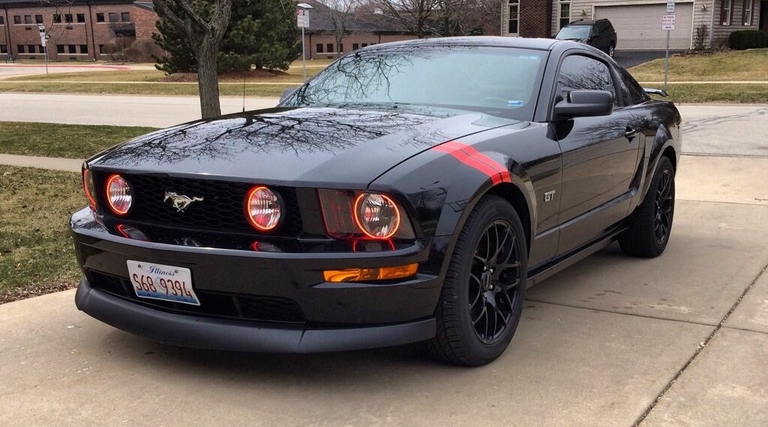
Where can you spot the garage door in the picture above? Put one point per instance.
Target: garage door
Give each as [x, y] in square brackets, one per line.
[639, 26]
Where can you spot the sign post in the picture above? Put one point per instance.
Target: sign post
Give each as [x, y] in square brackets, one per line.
[668, 24]
[43, 39]
[302, 21]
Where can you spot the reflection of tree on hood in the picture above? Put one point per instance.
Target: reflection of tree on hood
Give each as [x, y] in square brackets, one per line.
[304, 132]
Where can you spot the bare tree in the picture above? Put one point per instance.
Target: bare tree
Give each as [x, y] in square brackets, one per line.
[205, 38]
[417, 16]
[340, 14]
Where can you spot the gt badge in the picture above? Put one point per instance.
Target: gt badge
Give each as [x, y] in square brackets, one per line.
[180, 201]
[548, 196]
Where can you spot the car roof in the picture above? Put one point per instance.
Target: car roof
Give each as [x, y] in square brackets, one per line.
[586, 21]
[491, 41]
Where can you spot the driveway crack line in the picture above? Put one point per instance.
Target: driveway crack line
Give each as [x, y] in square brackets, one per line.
[698, 351]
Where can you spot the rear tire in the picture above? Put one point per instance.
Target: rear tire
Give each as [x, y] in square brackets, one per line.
[651, 223]
[482, 297]
[611, 50]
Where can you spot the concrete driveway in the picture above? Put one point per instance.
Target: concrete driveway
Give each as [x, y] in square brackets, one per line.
[677, 340]
[630, 58]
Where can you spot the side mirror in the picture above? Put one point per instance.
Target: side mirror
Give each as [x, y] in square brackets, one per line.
[288, 92]
[585, 103]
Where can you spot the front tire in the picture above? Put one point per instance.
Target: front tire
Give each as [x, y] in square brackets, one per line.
[651, 223]
[482, 296]
[611, 50]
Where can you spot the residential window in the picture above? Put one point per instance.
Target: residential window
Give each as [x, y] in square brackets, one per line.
[81, 18]
[72, 49]
[83, 48]
[355, 46]
[2, 20]
[100, 17]
[564, 14]
[113, 17]
[57, 18]
[319, 48]
[19, 48]
[341, 47]
[3, 48]
[726, 14]
[514, 16]
[59, 48]
[38, 19]
[31, 48]
[41, 48]
[101, 49]
[68, 18]
[747, 15]
[364, 45]
[329, 48]
[125, 17]
[16, 19]
[28, 19]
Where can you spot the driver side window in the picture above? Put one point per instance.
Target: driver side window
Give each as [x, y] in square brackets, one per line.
[583, 73]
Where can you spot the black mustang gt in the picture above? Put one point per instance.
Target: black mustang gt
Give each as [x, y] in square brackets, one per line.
[409, 192]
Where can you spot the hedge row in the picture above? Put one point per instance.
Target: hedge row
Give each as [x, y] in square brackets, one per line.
[748, 39]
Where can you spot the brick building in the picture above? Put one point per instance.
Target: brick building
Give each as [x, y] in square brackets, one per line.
[76, 30]
[363, 28]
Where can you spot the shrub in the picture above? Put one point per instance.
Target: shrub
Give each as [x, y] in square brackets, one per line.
[748, 39]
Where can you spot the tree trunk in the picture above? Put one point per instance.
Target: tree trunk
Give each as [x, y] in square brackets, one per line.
[207, 78]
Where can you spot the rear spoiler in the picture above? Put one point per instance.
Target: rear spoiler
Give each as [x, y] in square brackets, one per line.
[652, 91]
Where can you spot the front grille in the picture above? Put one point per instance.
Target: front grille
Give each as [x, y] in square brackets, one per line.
[221, 210]
[212, 304]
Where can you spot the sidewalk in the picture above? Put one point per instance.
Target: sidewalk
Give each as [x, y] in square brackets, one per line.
[67, 165]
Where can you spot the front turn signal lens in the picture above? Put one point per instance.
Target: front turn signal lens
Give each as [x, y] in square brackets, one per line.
[377, 215]
[90, 188]
[370, 274]
[119, 194]
[263, 208]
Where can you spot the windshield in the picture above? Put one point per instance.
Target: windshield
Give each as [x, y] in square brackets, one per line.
[498, 81]
[575, 32]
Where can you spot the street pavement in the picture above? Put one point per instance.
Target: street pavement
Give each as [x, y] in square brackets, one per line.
[679, 340]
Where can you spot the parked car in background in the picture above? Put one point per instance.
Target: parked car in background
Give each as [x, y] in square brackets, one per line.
[409, 192]
[599, 33]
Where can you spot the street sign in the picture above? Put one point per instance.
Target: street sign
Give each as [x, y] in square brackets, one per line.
[670, 6]
[302, 18]
[41, 29]
[668, 22]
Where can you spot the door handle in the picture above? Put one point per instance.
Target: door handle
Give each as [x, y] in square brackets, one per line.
[630, 133]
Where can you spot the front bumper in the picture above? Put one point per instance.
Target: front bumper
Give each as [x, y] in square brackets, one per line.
[233, 335]
[256, 301]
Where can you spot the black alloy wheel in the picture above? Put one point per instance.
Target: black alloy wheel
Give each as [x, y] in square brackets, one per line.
[493, 282]
[664, 201]
[482, 296]
[651, 224]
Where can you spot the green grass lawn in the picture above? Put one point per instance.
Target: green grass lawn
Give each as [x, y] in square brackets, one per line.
[748, 65]
[36, 255]
[55, 140]
[153, 82]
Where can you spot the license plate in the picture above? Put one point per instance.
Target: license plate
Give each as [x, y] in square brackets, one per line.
[162, 282]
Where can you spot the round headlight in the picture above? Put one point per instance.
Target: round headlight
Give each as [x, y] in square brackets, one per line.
[377, 215]
[119, 194]
[263, 209]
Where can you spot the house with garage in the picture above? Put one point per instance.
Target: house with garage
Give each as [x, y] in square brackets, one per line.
[698, 23]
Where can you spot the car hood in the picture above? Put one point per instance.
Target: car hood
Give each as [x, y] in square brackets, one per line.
[333, 146]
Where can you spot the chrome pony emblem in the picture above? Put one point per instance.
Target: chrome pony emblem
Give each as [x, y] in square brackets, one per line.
[180, 201]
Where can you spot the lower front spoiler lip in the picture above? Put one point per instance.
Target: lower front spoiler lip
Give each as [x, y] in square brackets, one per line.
[232, 335]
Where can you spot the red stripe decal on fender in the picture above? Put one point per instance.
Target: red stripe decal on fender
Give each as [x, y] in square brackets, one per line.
[475, 159]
